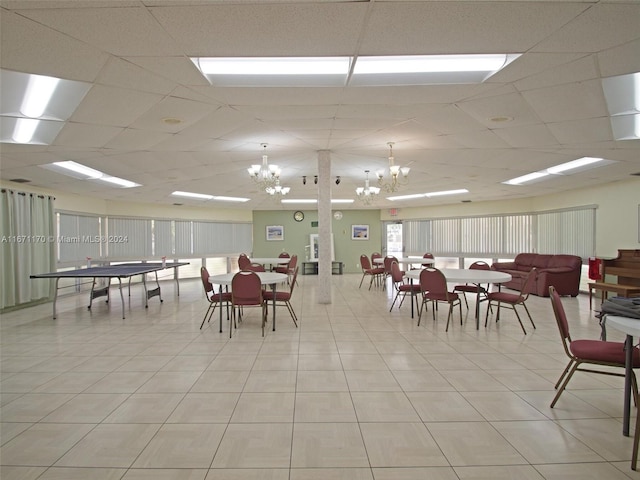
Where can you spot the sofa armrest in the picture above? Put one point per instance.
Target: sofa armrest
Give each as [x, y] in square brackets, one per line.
[556, 270]
[504, 266]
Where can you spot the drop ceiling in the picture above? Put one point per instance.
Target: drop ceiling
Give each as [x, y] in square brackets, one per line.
[545, 108]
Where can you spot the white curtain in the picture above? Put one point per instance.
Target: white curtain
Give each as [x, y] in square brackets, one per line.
[27, 240]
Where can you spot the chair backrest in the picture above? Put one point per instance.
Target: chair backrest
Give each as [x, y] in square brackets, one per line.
[479, 265]
[243, 261]
[293, 280]
[293, 263]
[375, 255]
[284, 255]
[204, 274]
[433, 283]
[387, 263]
[527, 285]
[364, 262]
[561, 319]
[246, 289]
[255, 267]
[396, 273]
[428, 255]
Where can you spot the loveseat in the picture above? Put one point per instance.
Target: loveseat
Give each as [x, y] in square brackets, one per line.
[561, 271]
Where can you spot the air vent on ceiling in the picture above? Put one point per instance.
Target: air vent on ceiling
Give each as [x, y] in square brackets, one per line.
[20, 180]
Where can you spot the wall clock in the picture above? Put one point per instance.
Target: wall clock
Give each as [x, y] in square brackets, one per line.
[298, 216]
[337, 215]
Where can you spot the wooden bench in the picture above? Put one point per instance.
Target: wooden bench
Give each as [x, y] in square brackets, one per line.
[626, 267]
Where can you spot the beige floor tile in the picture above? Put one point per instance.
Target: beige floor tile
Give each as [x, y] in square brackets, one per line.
[109, 446]
[120, 382]
[198, 445]
[363, 362]
[384, 407]
[25, 382]
[205, 408]
[247, 474]
[271, 381]
[145, 363]
[86, 408]
[319, 362]
[372, 381]
[276, 362]
[328, 445]
[321, 381]
[165, 474]
[223, 381]
[520, 472]
[589, 471]
[332, 473]
[64, 473]
[414, 473]
[518, 380]
[264, 408]
[42, 444]
[188, 363]
[145, 408]
[546, 442]
[502, 406]
[602, 436]
[332, 407]
[466, 443]
[32, 407]
[401, 445]
[443, 407]
[258, 445]
[11, 430]
[170, 382]
[223, 363]
[20, 473]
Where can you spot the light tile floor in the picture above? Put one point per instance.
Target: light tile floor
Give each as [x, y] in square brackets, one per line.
[354, 393]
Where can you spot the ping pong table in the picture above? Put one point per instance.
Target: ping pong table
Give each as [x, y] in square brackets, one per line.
[124, 270]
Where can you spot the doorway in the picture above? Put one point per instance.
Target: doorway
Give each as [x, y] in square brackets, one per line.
[393, 239]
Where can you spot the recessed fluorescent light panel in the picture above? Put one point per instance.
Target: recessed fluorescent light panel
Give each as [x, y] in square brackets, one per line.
[82, 172]
[622, 94]
[429, 194]
[366, 71]
[34, 107]
[574, 166]
[203, 196]
[314, 201]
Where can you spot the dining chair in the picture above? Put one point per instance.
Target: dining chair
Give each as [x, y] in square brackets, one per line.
[512, 300]
[433, 286]
[402, 289]
[283, 297]
[254, 267]
[282, 268]
[428, 255]
[292, 267]
[213, 297]
[388, 259]
[243, 261]
[246, 291]
[590, 352]
[473, 288]
[367, 269]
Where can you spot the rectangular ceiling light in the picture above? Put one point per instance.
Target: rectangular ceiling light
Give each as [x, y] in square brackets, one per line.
[77, 170]
[581, 164]
[622, 94]
[429, 195]
[230, 199]
[313, 200]
[203, 196]
[428, 69]
[274, 71]
[39, 91]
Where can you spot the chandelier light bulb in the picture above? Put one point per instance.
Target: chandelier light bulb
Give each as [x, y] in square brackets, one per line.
[398, 175]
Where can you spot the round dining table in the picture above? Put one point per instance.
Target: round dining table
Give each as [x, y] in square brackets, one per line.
[407, 260]
[466, 275]
[266, 278]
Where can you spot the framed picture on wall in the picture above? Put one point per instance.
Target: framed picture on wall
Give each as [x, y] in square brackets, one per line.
[275, 232]
[359, 232]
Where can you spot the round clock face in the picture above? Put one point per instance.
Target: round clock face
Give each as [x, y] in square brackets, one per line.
[337, 215]
[298, 216]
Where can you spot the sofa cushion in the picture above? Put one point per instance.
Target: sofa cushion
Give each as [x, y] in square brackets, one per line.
[542, 261]
[571, 261]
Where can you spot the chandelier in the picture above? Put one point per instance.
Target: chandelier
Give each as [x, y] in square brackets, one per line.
[265, 175]
[277, 189]
[367, 194]
[399, 175]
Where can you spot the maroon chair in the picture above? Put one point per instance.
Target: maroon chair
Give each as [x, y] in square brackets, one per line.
[428, 255]
[246, 291]
[590, 352]
[367, 269]
[254, 267]
[513, 300]
[388, 260]
[213, 297]
[292, 268]
[284, 267]
[243, 261]
[473, 288]
[402, 289]
[433, 285]
[283, 297]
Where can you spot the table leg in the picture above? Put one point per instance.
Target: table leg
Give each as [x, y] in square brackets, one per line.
[412, 295]
[273, 288]
[627, 384]
[55, 298]
[220, 312]
[478, 307]
[121, 296]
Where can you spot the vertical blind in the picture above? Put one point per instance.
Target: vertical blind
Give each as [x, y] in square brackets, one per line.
[569, 231]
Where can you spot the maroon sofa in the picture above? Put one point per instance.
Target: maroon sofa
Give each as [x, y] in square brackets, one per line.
[561, 271]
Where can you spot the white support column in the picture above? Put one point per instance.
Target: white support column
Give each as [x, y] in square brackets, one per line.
[324, 227]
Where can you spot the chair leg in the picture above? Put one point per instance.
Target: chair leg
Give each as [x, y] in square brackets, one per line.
[486, 317]
[564, 384]
[394, 301]
[420, 311]
[464, 295]
[292, 313]
[363, 275]
[519, 321]
[636, 438]
[206, 315]
[449, 316]
[530, 319]
[566, 369]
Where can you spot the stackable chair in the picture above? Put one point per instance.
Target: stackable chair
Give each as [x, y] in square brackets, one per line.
[428, 255]
[292, 268]
[213, 297]
[367, 269]
[433, 286]
[512, 300]
[243, 261]
[254, 267]
[283, 297]
[284, 268]
[591, 352]
[246, 291]
[473, 288]
[388, 260]
[402, 289]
